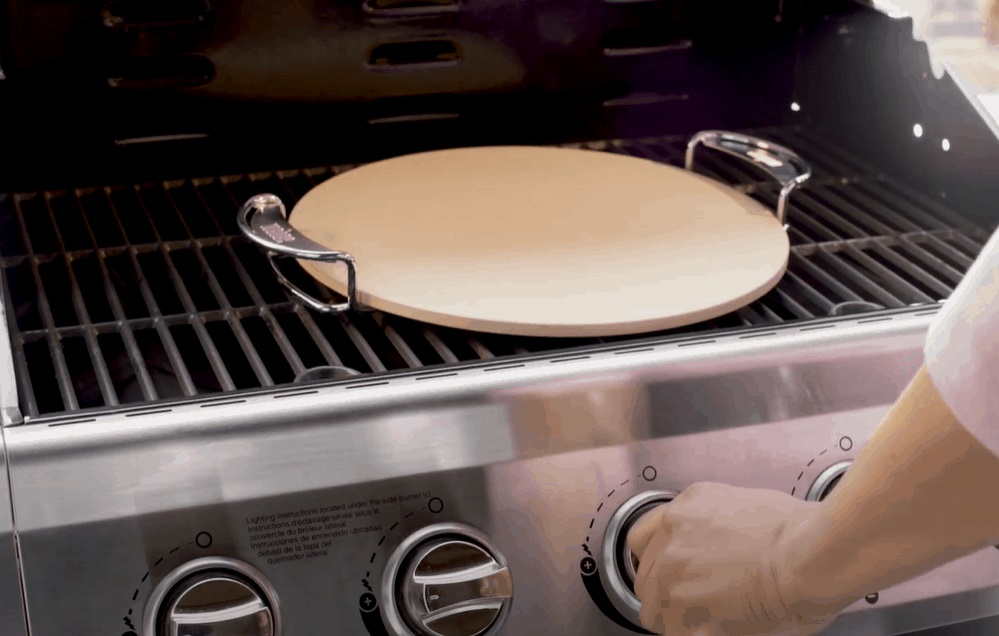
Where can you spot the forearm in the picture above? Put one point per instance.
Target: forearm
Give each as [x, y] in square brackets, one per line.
[921, 493]
[992, 22]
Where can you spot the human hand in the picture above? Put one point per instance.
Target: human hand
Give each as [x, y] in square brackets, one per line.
[710, 564]
[992, 23]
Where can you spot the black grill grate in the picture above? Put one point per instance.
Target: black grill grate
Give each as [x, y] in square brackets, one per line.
[136, 294]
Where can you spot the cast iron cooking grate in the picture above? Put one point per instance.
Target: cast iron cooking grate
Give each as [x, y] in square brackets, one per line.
[135, 294]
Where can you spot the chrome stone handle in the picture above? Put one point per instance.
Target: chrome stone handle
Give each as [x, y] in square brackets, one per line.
[781, 163]
[263, 220]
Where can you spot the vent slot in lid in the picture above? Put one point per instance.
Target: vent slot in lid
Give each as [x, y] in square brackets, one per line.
[186, 71]
[132, 14]
[410, 7]
[416, 54]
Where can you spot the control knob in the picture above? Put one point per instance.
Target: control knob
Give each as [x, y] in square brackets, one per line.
[446, 580]
[827, 481]
[212, 597]
[618, 561]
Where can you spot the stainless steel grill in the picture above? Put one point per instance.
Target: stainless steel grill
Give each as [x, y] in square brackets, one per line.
[140, 293]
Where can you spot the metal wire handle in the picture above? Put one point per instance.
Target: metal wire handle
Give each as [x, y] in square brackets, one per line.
[781, 163]
[264, 221]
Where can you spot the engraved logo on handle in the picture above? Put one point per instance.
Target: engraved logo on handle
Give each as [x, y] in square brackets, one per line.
[765, 158]
[278, 233]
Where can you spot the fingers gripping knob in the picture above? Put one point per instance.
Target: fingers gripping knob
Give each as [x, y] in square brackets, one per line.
[629, 559]
[617, 559]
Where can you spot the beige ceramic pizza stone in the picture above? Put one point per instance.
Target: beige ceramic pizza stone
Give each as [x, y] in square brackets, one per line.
[543, 241]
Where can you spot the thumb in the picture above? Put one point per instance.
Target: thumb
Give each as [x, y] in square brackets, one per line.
[644, 529]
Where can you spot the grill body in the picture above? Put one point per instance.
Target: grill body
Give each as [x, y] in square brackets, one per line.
[155, 414]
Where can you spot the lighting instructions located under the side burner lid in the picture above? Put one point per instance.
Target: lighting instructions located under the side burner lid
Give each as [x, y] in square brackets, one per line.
[308, 533]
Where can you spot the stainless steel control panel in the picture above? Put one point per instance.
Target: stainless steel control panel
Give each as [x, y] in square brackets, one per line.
[11, 606]
[482, 510]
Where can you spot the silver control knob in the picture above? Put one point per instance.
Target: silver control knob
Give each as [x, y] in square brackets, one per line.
[617, 560]
[827, 481]
[212, 597]
[447, 580]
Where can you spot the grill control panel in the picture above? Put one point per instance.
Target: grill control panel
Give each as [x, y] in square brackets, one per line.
[482, 545]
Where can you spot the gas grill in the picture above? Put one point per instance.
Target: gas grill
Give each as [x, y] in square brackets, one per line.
[192, 450]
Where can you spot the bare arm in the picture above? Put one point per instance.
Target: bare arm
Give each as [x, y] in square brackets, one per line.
[755, 561]
[992, 22]
[921, 493]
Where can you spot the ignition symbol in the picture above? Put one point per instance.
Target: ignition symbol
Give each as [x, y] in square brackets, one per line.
[368, 602]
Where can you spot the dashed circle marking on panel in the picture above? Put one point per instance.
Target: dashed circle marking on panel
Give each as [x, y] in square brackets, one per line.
[648, 473]
[435, 506]
[202, 540]
[844, 444]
